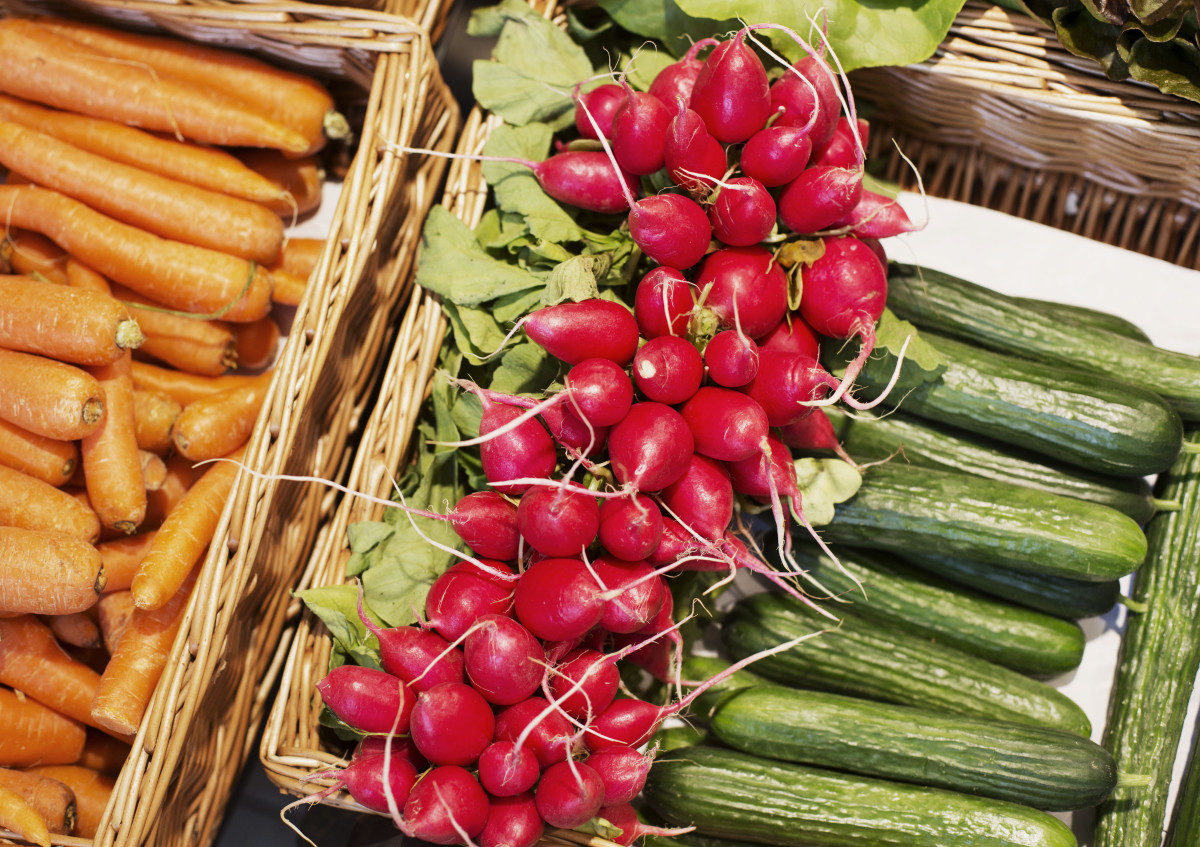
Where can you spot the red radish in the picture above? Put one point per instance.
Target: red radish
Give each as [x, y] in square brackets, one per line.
[656, 658]
[731, 359]
[446, 806]
[504, 661]
[462, 594]
[623, 771]
[694, 159]
[668, 369]
[651, 447]
[600, 391]
[843, 150]
[743, 212]
[792, 335]
[400, 746]
[588, 329]
[663, 303]
[702, 498]
[675, 544]
[634, 593]
[806, 96]
[512, 822]
[569, 794]
[623, 816]
[585, 179]
[786, 386]
[674, 83]
[814, 432]
[819, 198]
[877, 216]
[776, 155]
[630, 528]
[749, 476]
[671, 229]
[639, 132]
[558, 522]
[570, 431]
[505, 770]
[627, 722]
[452, 724]
[487, 523]
[584, 683]
[731, 92]
[535, 725]
[367, 699]
[371, 779]
[420, 657]
[745, 287]
[602, 101]
[558, 599]
[876, 248]
[518, 451]
[726, 425]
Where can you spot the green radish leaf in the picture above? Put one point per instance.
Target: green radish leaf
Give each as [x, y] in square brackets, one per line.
[823, 484]
[525, 369]
[923, 362]
[337, 607]
[467, 412]
[454, 265]
[476, 332]
[667, 23]
[576, 279]
[487, 22]
[510, 307]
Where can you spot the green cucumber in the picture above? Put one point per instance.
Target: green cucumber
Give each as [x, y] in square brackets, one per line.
[885, 589]
[1184, 828]
[903, 509]
[1045, 768]
[862, 658]
[1156, 664]
[1085, 317]
[938, 301]
[929, 444]
[728, 794]
[1087, 421]
[701, 668]
[1055, 595]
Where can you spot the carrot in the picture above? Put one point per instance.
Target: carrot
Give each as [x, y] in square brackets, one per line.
[182, 276]
[29, 503]
[78, 629]
[300, 181]
[47, 573]
[128, 682]
[288, 289]
[103, 752]
[33, 254]
[112, 467]
[300, 256]
[121, 557]
[49, 398]
[36, 735]
[220, 423]
[48, 459]
[154, 414]
[18, 816]
[184, 536]
[189, 344]
[184, 388]
[91, 789]
[38, 65]
[292, 99]
[154, 469]
[51, 798]
[69, 324]
[256, 343]
[181, 473]
[200, 165]
[113, 612]
[157, 204]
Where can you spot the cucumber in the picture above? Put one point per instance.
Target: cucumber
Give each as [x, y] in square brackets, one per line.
[700, 668]
[1045, 768]
[1054, 595]
[1156, 664]
[944, 303]
[1184, 828]
[1087, 421]
[728, 794]
[885, 589]
[928, 444]
[862, 658]
[902, 509]
[1086, 318]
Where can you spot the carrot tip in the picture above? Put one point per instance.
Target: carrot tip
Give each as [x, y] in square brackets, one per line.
[93, 410]
[129, 335]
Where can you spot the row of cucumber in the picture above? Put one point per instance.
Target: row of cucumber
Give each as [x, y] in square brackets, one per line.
[1008, 500]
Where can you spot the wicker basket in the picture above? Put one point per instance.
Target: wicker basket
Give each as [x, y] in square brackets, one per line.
[200, 725]
[1003, 117]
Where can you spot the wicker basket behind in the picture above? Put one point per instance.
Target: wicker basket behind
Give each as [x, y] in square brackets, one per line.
[1003, 117]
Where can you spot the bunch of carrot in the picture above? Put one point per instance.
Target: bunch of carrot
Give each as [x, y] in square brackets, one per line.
[148, 186]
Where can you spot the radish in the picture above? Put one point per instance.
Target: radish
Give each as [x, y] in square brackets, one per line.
[674, 83]
[731, 359]
[558, 599]
[776, 154]
[671, 229]
[602, 102]
[806, 96]
[633, 593]
[726, 425]
[623, 816]
[400, 746]
[877, 216]
[588, 329]
[462, 594]
[371, 779]
[600, 391]
[702, 498]
[446, 806]
[505, 770]
[750, 476]
[584, 683]
[452, 724]
[558, 522]
[639, 132]
[731, 92]
[569, 794]
[623, 771]
[843, 149]
[420, 657]
[663, 303]
[814, 432]
[535, 725]
[503, 660]
[630, 528]
[513, 450]
[650, 448]
[571, 432]
[743, 212]
[820, 197]
[745, 287]
[675, 544]
[786, 386]
[668, 369]
[512, 822]
[876, 248]
[367, 699]
[694, 159]
[792, 335]
[487, 523]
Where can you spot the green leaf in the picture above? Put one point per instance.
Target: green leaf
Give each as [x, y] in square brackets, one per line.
[453, 265]
[576, 279]
[667, 23]
[922, 361]
[487, 22]
[515, 188]
[476, 332]
[823, 484]
[467, 412]
[1083, 35]
[525, 369]
[337, 607]
[1172, 67]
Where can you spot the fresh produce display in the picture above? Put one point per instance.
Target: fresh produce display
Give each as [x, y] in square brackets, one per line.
[138, 258]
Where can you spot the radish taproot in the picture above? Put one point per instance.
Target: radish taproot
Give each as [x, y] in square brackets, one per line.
[503, 660]
[587, 329]
[512, 821]
[743, 212]
[446, 806]
[558, 522]
[776, 155]
[745, 288]
[569, 794]
[463, 593]
[693, 158]
[663, 303]
[650, 448]
[639, 132]
[584, 683]
[674, 83]
[668, 369]
[630, 527]
[506, 770]
[725, 424]
[732, 93]
[367, 699]
[558, 599]
[731, 359]
[452, 724]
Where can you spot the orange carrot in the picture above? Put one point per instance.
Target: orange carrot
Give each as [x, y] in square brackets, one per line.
[113, 612]
[18, 816]
[154, 414]
[288, 288]
[78, 629]
[52, 799]
[220, 423]
[189, 344]
[181, 473]
[112, 467]
[158, 204]
[292, 99]
[154, 469]
[184, 536]
[35, 254]
[201, 165]
[50, 460]
[182, 276]
[128, 682]
[103, 752]
[91, 789]
[82, 277]
[184, 388]
[47, 573]
[49, 398]
[35, 734]
[300, 256]
[29, 503]
[121, 557]
[301, 181]
[256, 343]
[38, 65]
[68, 324]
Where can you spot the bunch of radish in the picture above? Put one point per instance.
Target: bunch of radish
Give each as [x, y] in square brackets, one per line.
[499, 714]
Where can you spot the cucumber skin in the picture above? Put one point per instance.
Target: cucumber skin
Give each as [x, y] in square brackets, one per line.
[941, 302]
[1043, 768]
[899, 594]
[861, 658]
[901, 509]
[1085, 318]
[728, 794]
